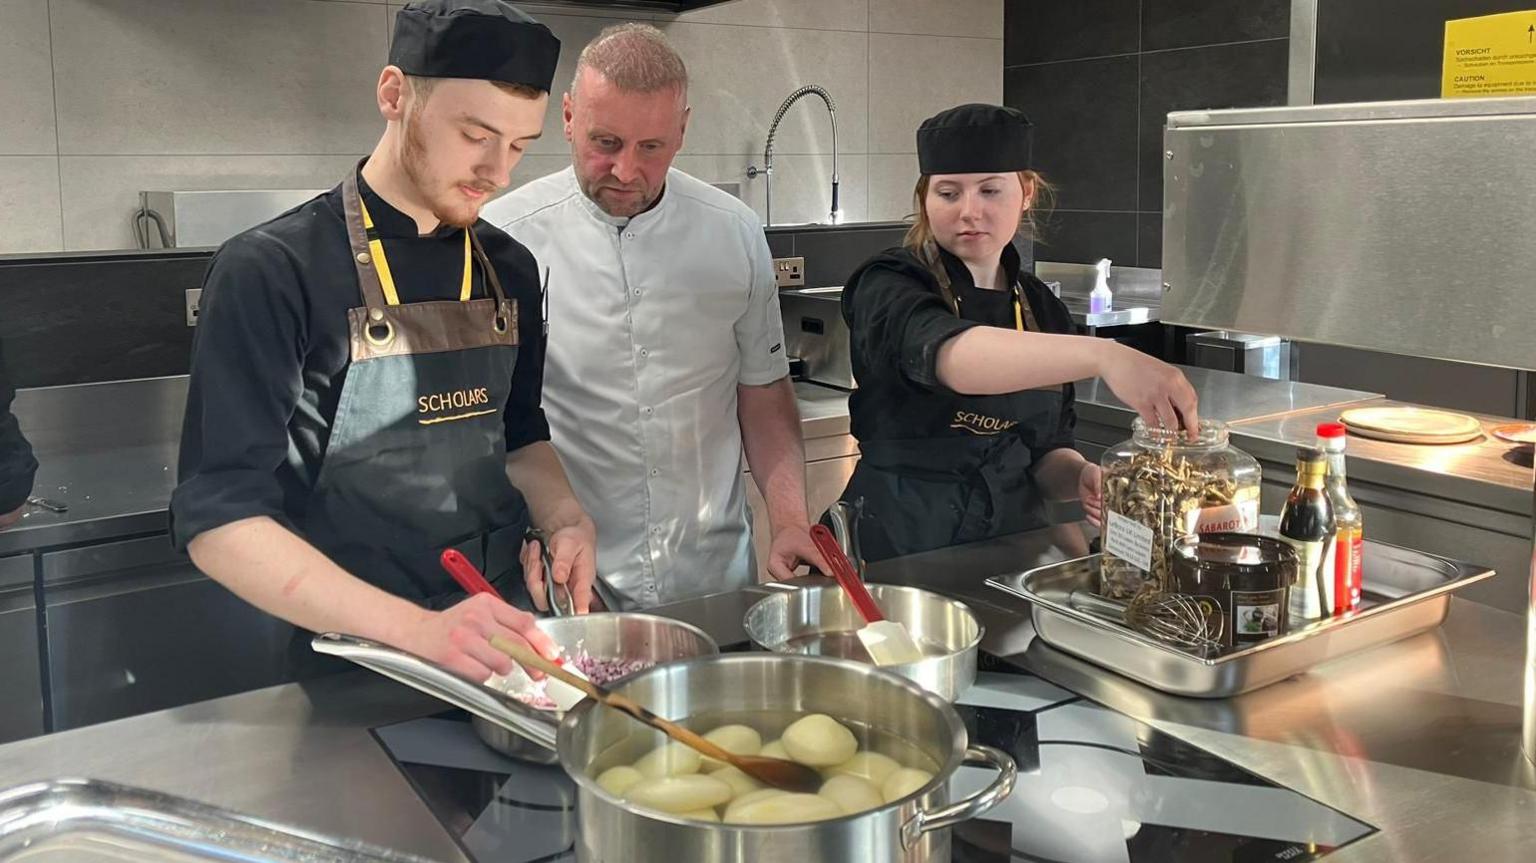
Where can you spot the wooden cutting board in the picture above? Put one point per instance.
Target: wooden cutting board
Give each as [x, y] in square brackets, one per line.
[1412, 425]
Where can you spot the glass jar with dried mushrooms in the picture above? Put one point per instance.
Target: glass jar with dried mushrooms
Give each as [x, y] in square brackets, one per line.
[1161, 485]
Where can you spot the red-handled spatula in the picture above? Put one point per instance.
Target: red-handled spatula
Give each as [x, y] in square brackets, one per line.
[468, 577]
[886, 641]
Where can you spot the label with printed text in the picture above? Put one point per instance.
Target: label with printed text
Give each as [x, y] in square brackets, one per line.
[1129, 540]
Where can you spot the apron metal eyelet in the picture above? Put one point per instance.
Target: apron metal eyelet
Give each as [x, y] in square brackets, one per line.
[499, 324]
[379, 335]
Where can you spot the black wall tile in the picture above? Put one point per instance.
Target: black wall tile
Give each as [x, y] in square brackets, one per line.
[1038, 31]
[1085, 128]
[1083, 237]
[1149, 240]
[1373, 50]
[781, 245]
[1187, 23]
[1224, 76]
[832, 256]
[96, 318]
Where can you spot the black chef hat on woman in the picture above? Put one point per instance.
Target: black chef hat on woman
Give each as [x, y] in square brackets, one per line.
[974, 139]
[483, 39]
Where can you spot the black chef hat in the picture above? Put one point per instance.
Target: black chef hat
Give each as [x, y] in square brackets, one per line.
[974, 139]
[485, 39]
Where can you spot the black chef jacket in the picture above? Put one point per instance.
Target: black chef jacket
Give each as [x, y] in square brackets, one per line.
[898, 320]
[272, 349]
[939, 467]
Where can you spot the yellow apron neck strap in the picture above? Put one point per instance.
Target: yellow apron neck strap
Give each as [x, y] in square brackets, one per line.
[387, 278]
[1023, 315]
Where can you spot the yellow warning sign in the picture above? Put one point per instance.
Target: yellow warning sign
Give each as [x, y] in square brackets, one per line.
[1494, 55]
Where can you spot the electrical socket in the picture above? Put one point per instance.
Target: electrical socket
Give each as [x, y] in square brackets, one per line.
[789, 272]
[194, 299]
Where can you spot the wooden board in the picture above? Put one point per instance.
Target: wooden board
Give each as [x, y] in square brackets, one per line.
[1412, 425]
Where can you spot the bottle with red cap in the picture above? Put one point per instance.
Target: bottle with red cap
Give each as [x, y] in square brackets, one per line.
[1346, 554]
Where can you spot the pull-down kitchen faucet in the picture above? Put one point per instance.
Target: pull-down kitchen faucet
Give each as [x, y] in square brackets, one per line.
[836, 214]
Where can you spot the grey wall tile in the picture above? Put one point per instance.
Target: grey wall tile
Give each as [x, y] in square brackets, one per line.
[952, 71]
[1186, 23]
[101, 193]
[1043, 32]
[817, 14]
[539, 10]
[1084, 113]
[29, 204]
[217, 76]
[891, 179]
[391, 10]
[26, 79]
[740, 75]
[533, 166]
[983, 18]
[801, 184]
[574, 32]
[229, 93]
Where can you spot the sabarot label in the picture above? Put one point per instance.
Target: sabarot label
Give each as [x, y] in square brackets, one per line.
[1239, 517]
[1128, 540]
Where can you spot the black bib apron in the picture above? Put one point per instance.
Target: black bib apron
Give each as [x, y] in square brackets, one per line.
[965, 477]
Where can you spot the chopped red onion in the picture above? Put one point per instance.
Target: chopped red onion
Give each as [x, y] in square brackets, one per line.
[599, 671]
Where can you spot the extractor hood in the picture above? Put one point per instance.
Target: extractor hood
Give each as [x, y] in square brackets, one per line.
[638, 5]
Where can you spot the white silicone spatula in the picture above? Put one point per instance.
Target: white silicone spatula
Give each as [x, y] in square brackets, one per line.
[887, 642]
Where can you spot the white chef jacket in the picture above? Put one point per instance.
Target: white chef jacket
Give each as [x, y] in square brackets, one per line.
[653, 322]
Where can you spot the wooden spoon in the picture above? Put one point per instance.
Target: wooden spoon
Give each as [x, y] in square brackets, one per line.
[775, 772]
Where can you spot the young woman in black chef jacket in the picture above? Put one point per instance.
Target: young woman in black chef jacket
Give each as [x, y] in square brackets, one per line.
[965, 363]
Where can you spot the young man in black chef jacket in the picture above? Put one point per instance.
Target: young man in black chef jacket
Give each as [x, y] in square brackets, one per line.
[366, 374]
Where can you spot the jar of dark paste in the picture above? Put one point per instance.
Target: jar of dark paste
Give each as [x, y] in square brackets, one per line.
[1243, 577]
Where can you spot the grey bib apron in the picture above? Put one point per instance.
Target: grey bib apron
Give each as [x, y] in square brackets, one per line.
[416, 460]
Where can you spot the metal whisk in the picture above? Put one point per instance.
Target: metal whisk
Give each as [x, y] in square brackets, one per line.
[1172, 618]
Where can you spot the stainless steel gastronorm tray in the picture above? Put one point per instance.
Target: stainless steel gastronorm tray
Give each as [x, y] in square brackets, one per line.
[1406, 592]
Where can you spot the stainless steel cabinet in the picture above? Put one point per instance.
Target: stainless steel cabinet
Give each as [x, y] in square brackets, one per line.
[132, 627]
[21, 707]
[829, 463]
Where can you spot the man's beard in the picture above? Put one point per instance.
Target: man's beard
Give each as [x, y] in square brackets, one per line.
[413, 158]
[627, 208]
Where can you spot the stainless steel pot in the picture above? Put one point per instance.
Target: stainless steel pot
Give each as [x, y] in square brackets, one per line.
[914, 829]
[822, 620]
[615, 635]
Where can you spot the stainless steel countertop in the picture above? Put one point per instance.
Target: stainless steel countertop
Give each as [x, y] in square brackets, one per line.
[1500, 471]
[300, 755]
[1419, 738]
[108, 451]
[1224, 396]
[823, 410]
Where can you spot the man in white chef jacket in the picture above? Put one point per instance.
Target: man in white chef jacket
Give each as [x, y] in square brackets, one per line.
[666, 360]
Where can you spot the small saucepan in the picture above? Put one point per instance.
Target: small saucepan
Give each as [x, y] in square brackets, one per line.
[822, 621]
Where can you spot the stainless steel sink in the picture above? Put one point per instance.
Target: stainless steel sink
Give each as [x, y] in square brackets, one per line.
[89, 821]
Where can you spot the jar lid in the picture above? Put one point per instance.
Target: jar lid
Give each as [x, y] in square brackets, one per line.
[1331, 430]
[1240, 552]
